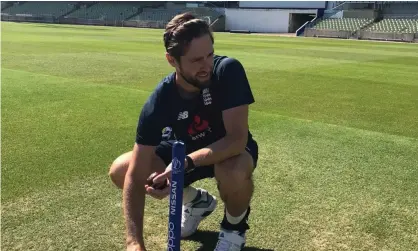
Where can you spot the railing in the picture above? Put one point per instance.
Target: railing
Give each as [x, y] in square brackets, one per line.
[308, 24]
[336, 7]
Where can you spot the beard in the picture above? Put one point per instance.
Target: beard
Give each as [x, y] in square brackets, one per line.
[195, 82]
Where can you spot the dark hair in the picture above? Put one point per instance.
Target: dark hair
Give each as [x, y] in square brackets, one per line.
[181, 30]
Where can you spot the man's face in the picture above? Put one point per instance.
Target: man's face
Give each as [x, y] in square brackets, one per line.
[197, 64]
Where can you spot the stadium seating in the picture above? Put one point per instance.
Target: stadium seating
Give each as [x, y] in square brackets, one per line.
[165, 15]
[54, 9]
[107, 11]
[162, 15]
[405, 25]
[342, 24]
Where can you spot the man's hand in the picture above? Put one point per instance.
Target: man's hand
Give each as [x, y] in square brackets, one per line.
[158, 180]
[164, 176]
[158, 193]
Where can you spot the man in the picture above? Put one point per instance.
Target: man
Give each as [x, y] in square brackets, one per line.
[204, 103]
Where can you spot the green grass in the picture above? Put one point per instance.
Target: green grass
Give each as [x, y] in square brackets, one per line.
[336, 121]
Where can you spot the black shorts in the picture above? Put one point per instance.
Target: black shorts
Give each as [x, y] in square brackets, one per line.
[164, 151]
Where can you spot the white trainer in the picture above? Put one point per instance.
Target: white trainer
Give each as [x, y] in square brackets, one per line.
[195, 211]
[230, 241]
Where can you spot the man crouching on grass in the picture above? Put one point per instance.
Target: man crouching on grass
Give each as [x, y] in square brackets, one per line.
[204, 103]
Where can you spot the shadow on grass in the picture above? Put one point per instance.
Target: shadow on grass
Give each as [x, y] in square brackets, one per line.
[208, 240]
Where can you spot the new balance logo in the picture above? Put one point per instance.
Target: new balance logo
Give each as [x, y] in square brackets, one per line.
[183, 115]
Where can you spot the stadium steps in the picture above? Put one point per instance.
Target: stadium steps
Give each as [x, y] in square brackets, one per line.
[140, 10]
[76, 7]
[161, 15]
[80, 12]
[369, 24]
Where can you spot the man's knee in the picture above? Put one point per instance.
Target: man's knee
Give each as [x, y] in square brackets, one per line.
[235, 170]
[120, 165]
[118, 169]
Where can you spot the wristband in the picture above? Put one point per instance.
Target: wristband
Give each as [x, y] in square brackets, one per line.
[190, 163]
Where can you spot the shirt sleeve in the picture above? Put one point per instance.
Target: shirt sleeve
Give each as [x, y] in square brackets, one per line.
[235, 87]
[150, 122]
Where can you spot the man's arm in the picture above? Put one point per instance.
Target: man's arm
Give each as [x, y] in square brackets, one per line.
[234, 142]
[148, 135]
[134, 193]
